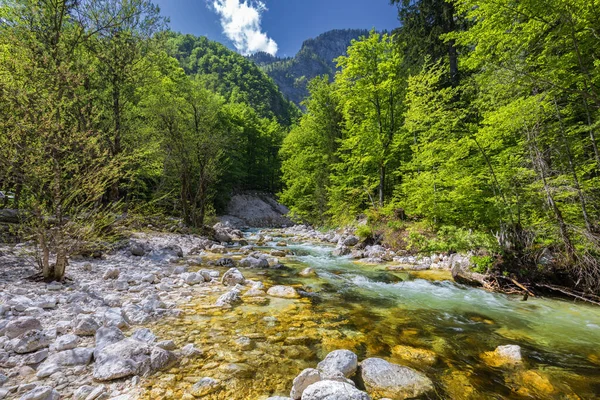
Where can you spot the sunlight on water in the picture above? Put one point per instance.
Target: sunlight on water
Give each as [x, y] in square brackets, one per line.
[375, 312]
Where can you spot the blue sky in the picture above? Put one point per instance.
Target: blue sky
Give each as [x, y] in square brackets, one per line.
[275, 26]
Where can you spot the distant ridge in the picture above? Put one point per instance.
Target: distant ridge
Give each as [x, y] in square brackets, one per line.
[316, 57]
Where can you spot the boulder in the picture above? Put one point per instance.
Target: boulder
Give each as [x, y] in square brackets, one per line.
[343, 361]
[20, 326]
[222, 236]
[125, 358]
[286, 292]
[233, 277]
[137, 250]
[253, 262]
[304, 380]
[161, 359]
[31, 341]
[86, 326]
[333, 390]
[106, 336]
[35, 358]
[341, 251]
[225, 262]
[41, 393]
[384, 379]
[350, 241]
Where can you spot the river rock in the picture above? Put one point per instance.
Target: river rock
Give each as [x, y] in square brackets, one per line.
[41, 393]
[343, 361]
[35, 358]
[167, 345]
[106, 336]
[137, 250]
[509, 355]
[225, 262]
[144, 335]
[161, 359]
[191, 351]
[69, 358]
[384, 379]
[341, 251]
[233, 277]
[350, 241]
[229, 298]
[111, 273]
[86, 326]
[125, 358]
[304, 380]
[308, 272]
[333, 390]
[20, 326]
[205, 386]
[253, 262]
[286, 292]
[31, 341]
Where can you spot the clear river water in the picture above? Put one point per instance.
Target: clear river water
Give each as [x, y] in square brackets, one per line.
[420, 319]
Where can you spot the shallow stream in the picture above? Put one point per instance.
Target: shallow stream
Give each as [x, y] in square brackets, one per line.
[419, 319]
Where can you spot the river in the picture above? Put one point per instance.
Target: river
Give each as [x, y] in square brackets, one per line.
[379, 313]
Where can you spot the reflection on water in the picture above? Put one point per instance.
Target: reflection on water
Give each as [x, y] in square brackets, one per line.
[432, 325]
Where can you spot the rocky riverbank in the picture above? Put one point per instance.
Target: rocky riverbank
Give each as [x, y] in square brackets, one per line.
[183, 317]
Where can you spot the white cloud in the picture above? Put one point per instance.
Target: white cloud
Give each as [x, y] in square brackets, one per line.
[240, 20]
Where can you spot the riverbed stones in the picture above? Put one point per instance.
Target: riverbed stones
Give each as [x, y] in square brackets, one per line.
[111, 273]
[254, 262]
[286, 292]
[191, 351]
[384, 379]
[341, 251]
[413, 355]
[205, 386]
[233, 277]
[86, 326]
[343, 361]
[306, 378]
[333, 390]
[350, 241]
[503, 356]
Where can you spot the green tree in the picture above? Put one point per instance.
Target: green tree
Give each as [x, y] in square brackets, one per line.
[308, 153]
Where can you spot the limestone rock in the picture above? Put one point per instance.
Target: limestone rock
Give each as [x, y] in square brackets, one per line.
[41, 393]
[306, 378]
[343, 361]
[509, 355]
[233, 277]
[32, 341]
[86, 326]
[20, 326]
[286, 292]
[384, 379]
[332, 390]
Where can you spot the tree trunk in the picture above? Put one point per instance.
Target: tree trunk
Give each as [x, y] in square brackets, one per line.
[116, 150]
[582, 201]
[381, 184]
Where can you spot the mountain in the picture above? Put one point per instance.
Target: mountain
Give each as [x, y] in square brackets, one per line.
[231, 75]
[316, 57]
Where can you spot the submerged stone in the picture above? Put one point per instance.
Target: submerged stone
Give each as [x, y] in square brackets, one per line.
[384, 379]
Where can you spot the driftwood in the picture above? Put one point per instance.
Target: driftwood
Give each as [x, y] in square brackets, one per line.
[571, 293]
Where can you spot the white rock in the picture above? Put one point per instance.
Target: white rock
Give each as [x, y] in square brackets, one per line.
[304, 380]
[343, 361]
[41, 393]
[333, 390]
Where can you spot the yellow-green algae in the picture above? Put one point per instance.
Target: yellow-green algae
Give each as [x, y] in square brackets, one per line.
[287, 336]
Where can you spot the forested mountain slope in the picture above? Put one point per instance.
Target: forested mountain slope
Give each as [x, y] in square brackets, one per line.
[231, 75]
[316, 57]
